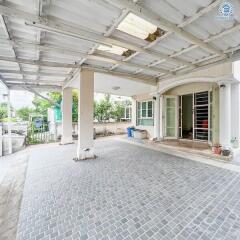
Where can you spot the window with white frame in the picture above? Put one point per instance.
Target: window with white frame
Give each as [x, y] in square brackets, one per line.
[127, 115]
[145, 113]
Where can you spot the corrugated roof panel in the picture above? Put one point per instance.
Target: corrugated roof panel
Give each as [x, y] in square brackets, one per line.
[57, 56]
[7, 52]
[62, 59]
[197, 31]
[11, 75]
[143, 59]
[51, 78]
[99, 16]
[187, 7]
[54, 70]
[126, 69]
[30, 6]
[165, 10]
[202, 24]
[194, 55]
[8, 65]
[30, 54]
[173, 43]
[149, 73]
[28, 67]
[67, 42]
[228, 41]
[30, 77]
[88, 14]
[167, 65]
[162, 49]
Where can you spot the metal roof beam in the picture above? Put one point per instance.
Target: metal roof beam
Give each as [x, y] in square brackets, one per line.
[189, 20]
[33, 80]
[148, 80]
[5, 29]
[39, 63]
[40, 95]
[60, 28]
[6, 71]
[32, 85]
[72, 52]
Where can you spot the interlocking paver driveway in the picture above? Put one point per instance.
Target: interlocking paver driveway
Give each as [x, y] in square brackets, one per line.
[128, 192]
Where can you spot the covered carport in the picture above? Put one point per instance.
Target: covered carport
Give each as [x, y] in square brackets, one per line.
[126, 48]
[58, 45]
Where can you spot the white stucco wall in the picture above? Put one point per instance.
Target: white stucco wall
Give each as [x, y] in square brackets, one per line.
[197, 81]
[142, 97]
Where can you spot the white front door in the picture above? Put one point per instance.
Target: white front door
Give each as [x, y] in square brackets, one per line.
[171, 117]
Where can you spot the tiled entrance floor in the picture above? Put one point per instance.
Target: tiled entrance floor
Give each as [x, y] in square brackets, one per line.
[128, 192]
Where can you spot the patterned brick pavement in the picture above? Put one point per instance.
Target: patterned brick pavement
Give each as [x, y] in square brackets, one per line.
[128, 192]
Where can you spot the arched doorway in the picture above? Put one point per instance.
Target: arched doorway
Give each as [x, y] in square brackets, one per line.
[188, 111]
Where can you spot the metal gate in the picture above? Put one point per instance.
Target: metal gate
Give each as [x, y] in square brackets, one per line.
[201, 116]
[36, 135]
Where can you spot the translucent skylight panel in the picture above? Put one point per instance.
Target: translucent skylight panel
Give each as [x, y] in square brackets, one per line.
[136, 26]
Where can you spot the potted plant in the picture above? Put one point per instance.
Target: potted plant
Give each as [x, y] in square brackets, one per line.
[217, 149]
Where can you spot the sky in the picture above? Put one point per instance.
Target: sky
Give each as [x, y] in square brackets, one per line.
[21, 99]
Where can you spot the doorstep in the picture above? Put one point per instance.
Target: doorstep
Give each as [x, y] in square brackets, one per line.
[203, 156]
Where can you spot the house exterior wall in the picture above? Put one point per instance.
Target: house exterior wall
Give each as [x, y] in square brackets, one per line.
[202, 87]
[135, 99]
[212, 79]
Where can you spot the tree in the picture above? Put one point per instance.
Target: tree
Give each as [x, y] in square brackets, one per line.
[41, 105]
[75, 106]
[118, 111]
[103, 109]
[24, 113]
[3, 111]
[55, 96]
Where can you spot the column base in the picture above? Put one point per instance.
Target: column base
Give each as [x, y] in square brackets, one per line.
[66, 140]
[83, 154]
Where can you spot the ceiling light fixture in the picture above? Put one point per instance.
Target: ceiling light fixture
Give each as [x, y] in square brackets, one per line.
[116, 88]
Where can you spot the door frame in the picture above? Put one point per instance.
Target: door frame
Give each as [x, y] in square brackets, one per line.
[176, 116]
[193, 117]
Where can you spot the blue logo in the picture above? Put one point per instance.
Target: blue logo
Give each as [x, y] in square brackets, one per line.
[225, 11]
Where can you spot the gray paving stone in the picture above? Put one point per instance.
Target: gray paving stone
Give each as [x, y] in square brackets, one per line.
[128, 192]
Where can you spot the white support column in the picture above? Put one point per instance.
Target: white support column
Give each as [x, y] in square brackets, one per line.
[52, 123]
[9, 125]
[134, 112]
[157, 117]
[161, 117]
[225, 114]
[85, 116]
[235, 114]
[67, 116]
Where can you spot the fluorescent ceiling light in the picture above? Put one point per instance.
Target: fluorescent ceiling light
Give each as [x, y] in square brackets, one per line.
[114, 49]
[136, 26]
